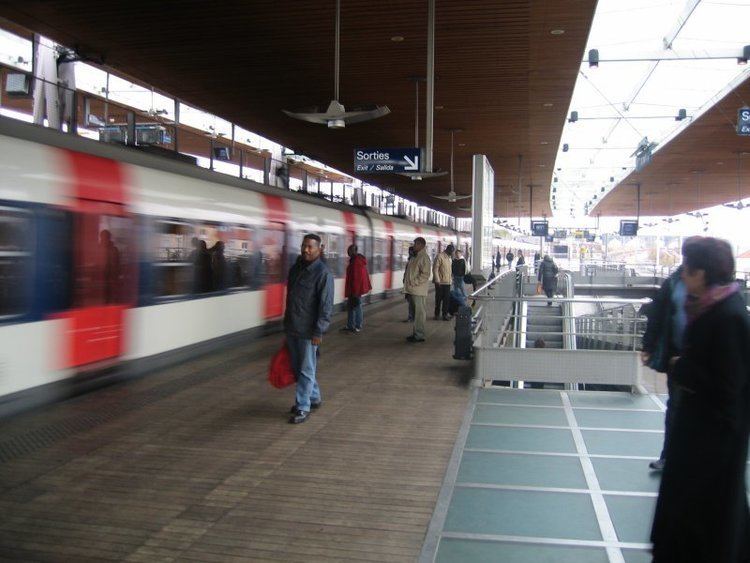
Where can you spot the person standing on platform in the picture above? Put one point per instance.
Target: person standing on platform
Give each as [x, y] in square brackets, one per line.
[520, 261]
[409, 300]
[442, 278]
[509, 258]
[547, 277]
[458, 270]
[498, 260]
[309, 305]
[702, 510]
[416, 284]
[662, 340]
[356, 285]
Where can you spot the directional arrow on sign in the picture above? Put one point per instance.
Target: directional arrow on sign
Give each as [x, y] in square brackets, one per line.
[413, 164]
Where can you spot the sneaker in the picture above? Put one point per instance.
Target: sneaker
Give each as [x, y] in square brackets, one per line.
[357, 330]
[657, 465]
[314, 406]
[413, 338]
[299, 417]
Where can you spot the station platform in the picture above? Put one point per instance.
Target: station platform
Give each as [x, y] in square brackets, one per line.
[198, 462]
[403, 462]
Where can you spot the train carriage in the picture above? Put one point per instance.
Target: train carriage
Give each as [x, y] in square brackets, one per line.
[112, 257]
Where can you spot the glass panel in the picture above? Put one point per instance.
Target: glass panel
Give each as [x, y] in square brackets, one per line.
[15, 242]
[173, 272]
[243, 258]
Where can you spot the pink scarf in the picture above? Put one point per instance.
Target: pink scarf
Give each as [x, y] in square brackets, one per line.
[696, 306]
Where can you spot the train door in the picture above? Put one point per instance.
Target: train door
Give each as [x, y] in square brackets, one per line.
[274, 250]
[103, 264]
[389, 262]
[103, 282]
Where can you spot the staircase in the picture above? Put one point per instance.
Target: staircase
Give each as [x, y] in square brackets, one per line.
[541, 321]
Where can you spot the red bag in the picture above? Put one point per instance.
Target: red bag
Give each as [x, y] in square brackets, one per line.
[281, 374]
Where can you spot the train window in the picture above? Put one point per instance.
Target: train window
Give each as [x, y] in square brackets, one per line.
[102, 259]
[15, 245]
[333, 252]
[175, 256]
[272, 255]
[379, 257]
[243, 258]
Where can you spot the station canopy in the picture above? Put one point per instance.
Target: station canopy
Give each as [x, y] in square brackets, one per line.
[670, 79]
[504, 75]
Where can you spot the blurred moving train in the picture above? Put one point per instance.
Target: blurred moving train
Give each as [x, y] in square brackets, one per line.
[106, 258]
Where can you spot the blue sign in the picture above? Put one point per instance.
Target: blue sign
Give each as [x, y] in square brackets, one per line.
[384, 161]
[539, 228]
[628, 228]
[743, 122]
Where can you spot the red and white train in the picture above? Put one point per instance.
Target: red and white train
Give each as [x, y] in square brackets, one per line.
[102, 264]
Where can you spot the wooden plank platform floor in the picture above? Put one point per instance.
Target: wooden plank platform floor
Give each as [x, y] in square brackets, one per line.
[198, 463]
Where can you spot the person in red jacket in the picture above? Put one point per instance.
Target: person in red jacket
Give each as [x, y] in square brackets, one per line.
[357, 285]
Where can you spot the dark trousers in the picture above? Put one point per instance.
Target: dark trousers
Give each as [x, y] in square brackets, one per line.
[442, 298]
[674, 393]
[549, 291]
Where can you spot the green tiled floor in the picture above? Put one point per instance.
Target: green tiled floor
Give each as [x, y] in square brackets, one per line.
[632, 517]
[623, 443]
[620, 419]
[454, 551]
[522, 513]
[521, 470]
[521, 439]
[626, 475]
[503, 414]
[518, 481]
[512, 396]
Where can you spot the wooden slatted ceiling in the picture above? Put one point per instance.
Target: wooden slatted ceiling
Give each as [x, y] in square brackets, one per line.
[496, 66]
[697, 169]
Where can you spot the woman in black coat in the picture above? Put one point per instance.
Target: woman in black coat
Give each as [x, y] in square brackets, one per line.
[702, 510]
[547, 276]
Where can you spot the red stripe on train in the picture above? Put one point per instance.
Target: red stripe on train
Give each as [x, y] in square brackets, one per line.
[277, 217]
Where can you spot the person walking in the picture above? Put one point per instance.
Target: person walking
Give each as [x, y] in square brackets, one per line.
[416, 284]
[520, 261]
[458, 271]
[442, 278]
[498, 259]
[509, 258]
[662, 340]
[702, 510]
[356, 285]
[547, 277]
[309, 305]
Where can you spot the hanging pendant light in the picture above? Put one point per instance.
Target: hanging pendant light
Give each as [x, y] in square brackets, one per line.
[452, 197]
[336, 116]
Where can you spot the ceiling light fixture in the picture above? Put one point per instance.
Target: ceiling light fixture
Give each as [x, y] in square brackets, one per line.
[336, 116]
[397, 38]
[557, 32]
[745, 55]
[594, 58]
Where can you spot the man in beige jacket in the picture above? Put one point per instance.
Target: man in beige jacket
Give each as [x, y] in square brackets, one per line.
[416, 284]
[442, 277]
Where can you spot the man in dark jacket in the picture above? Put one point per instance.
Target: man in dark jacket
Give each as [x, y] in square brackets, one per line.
[356, 285]
[547, 276]
[662, 340]
[509, 258]
[309, 304]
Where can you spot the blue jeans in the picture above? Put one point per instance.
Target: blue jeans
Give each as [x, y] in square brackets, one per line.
[304, 363]
[356, 317]
[458, 283]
